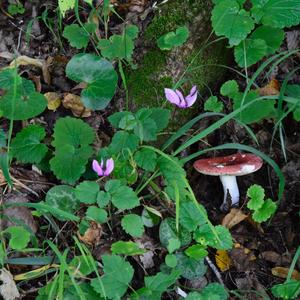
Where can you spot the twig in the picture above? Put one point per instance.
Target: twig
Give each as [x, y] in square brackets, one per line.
[215, 270]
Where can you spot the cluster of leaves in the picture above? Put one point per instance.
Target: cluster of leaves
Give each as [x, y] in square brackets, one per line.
[257, 32]
[262, 209]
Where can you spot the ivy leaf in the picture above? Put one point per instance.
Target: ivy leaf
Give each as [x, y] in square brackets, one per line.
[265, 211]
[276, 13]
[19, 237]
[251, 114]
[190, 268]
[23, 105]
[100, 76]
[123, 141]
[26, 146]
[256, 194]
[63, 198]
[118, 273]
[87, 192]
[97, 214]
[230, 20]
[213, 104]
[250, 51]
[146, 159]
[127, 248]
[122, 197]
[72, 139]
[78, 36]
[133, 225]
[173, 39]
[119, 46]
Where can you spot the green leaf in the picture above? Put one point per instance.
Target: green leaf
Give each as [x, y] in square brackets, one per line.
[265, 211]
[14, 9]
[256, 194]
[133, 225]
[127, 248]
[173, 244]
[103, 198]
[145, 128]
[287, 290]
[118, 273]
[161, 281]
[161, 116]
[2, 138]
[26, 146]
[19, 237]
[72, 139]
[65, 5]
[81, 262]
[213, 104]
[87, 192]
[118, 116]
[250, 51]
[293, 90]
[167, 231]
[146, 159]
[213, 291]
[86, 292]
[196, 252]
[272, 36]
[230, 89]
[173, 39]
[62, 197]
[100, 76]
[119, 46]
[171, 260]
[78, 36]
[260, 110]
[9, 77]
[96, 214]
[190, 268]
[123, 141]
[26, 103]
[122, 197]
[190, 217]
[230, 20]
[276, 13]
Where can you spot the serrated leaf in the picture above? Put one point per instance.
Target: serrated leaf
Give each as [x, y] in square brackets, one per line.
[250, 51]
[213, 104]
[173, 38]
[190, 268]
[27, 147]
[276, 13]
[103, 198]
[122, 197]
[123, 141]
[87, 192]
[78, 36]
[19, 237]
[26, 103]
[146, 159]
[230, 20]
[96, 214]
[118, 273]
[145, 128]
[196, 252]
[100, 76]
[214, 291]
[265, 211]
[62, 197]
[161, 116]
[72, 138]
[65, 5]
[126, 248]
[133, 225]
[256, 194]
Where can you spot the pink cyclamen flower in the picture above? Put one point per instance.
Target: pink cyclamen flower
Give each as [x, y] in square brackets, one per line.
[102, 170]
[178, 99]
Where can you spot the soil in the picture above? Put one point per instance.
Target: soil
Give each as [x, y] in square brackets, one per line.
[263, 247]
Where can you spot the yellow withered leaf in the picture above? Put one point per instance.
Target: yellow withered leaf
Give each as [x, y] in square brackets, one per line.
[283, 272]
[54, 100]
[223, 261]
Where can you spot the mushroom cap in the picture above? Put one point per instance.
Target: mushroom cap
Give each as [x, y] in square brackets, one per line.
[236, 165]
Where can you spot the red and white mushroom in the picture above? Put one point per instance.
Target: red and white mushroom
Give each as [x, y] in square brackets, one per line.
[227, 168]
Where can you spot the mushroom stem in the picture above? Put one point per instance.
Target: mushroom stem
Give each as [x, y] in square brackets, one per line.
[230, 186]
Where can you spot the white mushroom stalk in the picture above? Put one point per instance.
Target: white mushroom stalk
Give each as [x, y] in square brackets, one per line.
[230, 186]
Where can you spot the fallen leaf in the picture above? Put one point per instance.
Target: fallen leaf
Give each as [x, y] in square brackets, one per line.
[234, 217]
[92, 235]
[242, 258]
[24, 60]
[256, 225]
[73, 102]
[270, 256]
[53, 99]
[283, 273]
[8, 288]
[2, 179]
[223, 261]
[272, 88]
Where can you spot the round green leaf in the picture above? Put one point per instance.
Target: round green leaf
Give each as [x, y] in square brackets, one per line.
[126, 248]
[87, 192]
[97, 214]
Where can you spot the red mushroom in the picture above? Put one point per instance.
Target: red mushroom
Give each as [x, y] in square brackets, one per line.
[228, 167]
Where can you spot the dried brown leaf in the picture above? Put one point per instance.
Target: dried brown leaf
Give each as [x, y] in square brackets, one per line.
[93, 234]
[223, 261]
[272, 88]
[234, 217]
[73, 102]
[283, 272]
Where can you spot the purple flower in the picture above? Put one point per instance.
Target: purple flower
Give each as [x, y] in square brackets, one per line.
[178, 99]
[102, 170]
